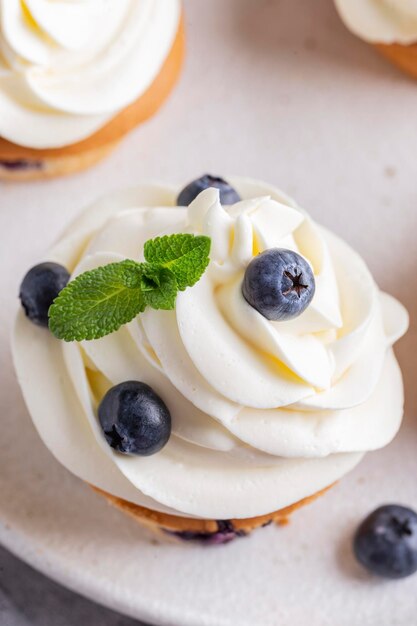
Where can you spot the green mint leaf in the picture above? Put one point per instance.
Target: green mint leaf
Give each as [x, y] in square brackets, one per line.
[159, 286]
[150, 278]
[102, 300]
[187, 256]
[98, 302]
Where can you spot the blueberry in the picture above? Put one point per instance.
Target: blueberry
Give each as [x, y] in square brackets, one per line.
[134, 419]
[40, 287]
[386, 542]
[279, 284]
[224, 534]
[21, 164]
[209, 539]
[228, 195]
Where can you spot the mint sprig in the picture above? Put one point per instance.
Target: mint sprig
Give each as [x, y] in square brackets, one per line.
[97, 302]
[100, 301]
[186, 256]
[159, 286]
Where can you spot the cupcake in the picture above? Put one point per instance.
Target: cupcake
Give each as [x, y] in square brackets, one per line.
[216, 361]
[75, 77]
[390, 25]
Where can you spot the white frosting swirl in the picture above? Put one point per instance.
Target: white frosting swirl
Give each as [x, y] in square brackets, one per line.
[67, 68]
[381, 21]
[264, 413]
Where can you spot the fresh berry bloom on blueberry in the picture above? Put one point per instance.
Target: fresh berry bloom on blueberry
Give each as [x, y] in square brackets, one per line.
[134, 419]
[228, 195]
[386, 542]
[39, 288]
[279, 284]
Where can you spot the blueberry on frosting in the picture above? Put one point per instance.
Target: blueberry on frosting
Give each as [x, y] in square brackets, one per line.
[279, 284]
[134, 419]
[40, 287]
[228, 195]
[386, 542]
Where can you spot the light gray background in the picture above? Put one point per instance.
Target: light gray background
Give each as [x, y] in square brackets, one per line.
[29, 599]
[278, 90]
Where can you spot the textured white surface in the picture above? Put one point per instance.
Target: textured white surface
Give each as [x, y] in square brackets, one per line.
[280, 91]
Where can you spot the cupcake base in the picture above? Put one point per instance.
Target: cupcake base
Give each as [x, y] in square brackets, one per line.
[18, 163]
[404, 57]
[37, 169]
[210, 532]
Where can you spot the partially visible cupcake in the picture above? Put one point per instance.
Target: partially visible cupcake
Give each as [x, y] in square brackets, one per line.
[226, 359]
[75, 77]
[390, 25]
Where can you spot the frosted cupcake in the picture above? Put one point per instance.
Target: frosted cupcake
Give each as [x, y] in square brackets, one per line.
[226, 359]
[75, 77]
[390, 25]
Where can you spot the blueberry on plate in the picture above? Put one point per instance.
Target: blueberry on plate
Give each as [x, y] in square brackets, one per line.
[386, 542]
[134, 419]
[228, 195]
[279, 284]
[40, 287]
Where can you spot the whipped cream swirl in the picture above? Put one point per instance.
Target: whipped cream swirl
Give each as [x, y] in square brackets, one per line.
[264, 413]
[381, 21]
[67, 68]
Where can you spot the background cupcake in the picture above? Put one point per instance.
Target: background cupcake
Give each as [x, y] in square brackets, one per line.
[76, 77]
[390, 25]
